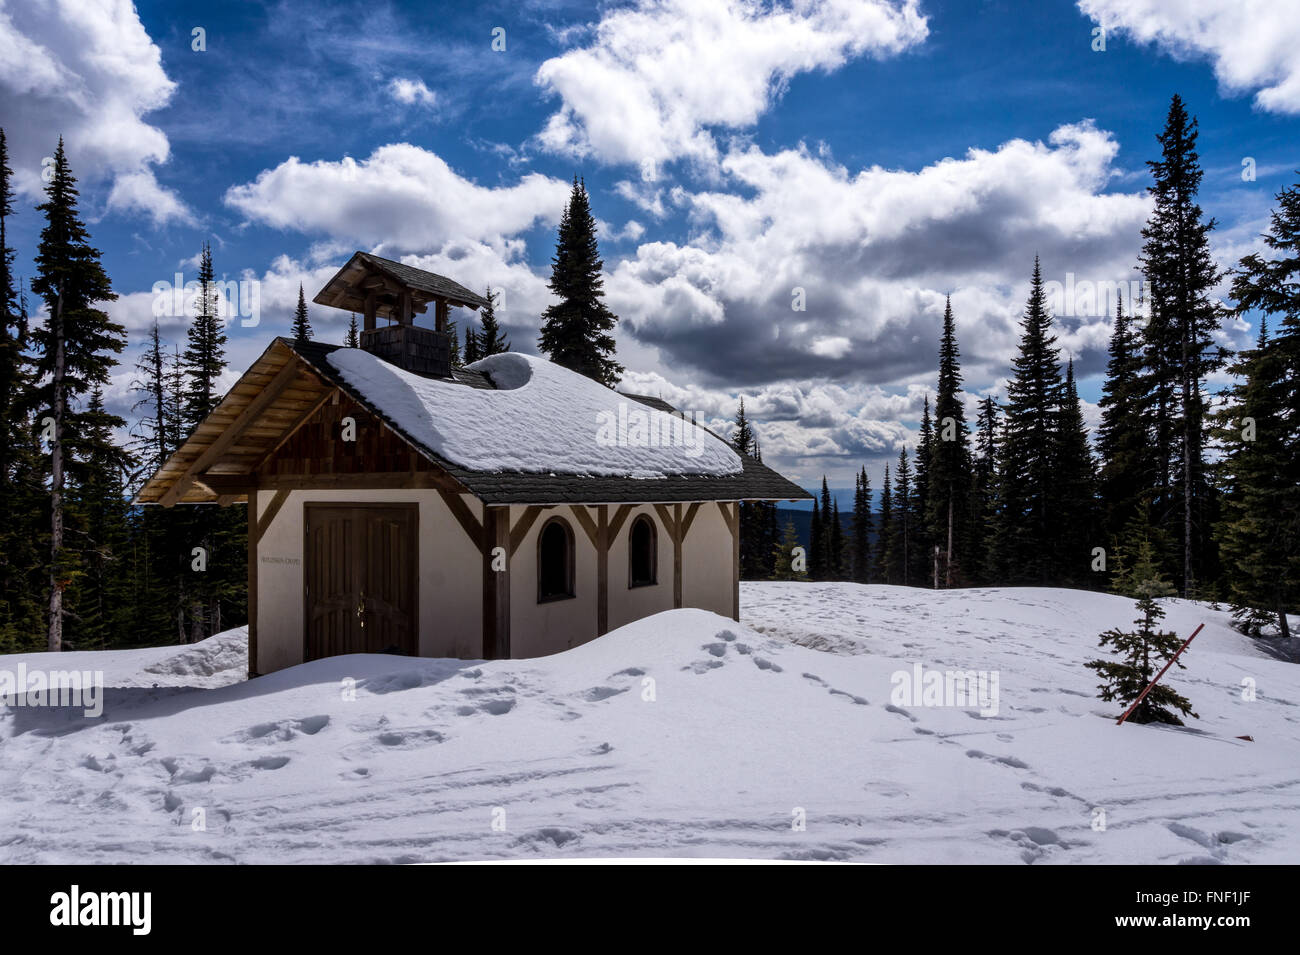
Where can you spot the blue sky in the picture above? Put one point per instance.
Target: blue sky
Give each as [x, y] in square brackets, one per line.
[877, 154]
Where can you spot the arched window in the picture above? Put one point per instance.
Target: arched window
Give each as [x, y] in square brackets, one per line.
[642, 565]
[554, 561]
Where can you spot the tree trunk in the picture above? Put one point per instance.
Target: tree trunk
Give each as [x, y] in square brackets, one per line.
[948, 567]
[55, 637]
[1283, 625]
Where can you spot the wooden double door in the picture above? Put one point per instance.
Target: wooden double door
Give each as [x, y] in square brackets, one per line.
[361, 563]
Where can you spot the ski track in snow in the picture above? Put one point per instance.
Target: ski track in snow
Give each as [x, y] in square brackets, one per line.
[789, 709]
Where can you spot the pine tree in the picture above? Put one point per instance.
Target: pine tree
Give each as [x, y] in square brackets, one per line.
[783, 555]
[353, 337]
[1260, 433]
[205, 350]
[1074, 492]
[98, 595]
[21, 492]
[576, 330]
[816, 547]
[949, 476]
[453, 333]
[1024, 536]
[984, 490]
[835, 544]
[924, 533]
[1144, 649]
[1179, 336]
[754, 546]
[491, 340]
[74, 350]
[302, 332]
[862, 522]
[884, 556]
[904, 513]
[1126, 476]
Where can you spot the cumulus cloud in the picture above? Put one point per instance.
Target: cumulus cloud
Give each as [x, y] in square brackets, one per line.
[806, 270]
[90, 72]
[402, 197]
[411, 92]
[1254, 45]
[657, 76]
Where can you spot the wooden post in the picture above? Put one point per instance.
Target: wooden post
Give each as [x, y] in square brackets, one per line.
[677, 555]
[252, 583]
[440, 314]
[735, 561]
[368, 311]
[496, 583]
[602, 570]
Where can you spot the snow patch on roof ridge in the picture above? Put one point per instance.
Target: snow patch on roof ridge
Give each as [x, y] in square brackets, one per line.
[540, 418]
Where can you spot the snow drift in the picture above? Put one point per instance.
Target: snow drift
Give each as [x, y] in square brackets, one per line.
[684, 734]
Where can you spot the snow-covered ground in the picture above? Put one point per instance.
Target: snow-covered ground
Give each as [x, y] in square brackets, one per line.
[684, 734]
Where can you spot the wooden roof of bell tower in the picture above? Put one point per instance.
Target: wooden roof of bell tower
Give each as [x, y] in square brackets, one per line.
[381, 288]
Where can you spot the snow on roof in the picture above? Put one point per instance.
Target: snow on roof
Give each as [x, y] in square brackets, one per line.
[541, 418]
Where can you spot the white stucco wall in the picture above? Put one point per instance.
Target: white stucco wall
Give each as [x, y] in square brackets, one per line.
[449, 576]
[707, 562]
[626, 605]
[451, 586]
[539, 629]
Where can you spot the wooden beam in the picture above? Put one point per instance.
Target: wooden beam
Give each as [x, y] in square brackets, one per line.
[331, 392]
[588, 525]
[616, 522]
[602, 570]
[496, 583]
[252, 584]
[368, 311]
[732, 516]
[213, 451]
[691, 511]
[526, 520]
[272, 509]
[470, 524]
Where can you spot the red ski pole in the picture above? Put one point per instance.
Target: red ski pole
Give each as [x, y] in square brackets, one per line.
[1159, 675]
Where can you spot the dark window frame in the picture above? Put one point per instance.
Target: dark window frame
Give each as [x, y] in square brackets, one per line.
[569, 545]
[653, 580]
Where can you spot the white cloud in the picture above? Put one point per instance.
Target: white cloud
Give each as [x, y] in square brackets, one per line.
[411, 92]
[875, 252]
[402, 197]
[89, 71]
[1253, 44]
[656, 76]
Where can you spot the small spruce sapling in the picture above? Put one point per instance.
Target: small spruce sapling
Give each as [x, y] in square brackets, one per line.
[1143, 650]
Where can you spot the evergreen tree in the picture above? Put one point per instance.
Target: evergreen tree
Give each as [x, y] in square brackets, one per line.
[862, 521]
[767, 533]
[1179, 336]
[904, 513]
[21, 505]
[205, 351]
[302, 332]
[884, 556]
[783, 555]
[924, 533]
[1025, 532]
[353, 337]
[576, 330]
[98, 598]
[835, 544]
[1260, 433]
[454, 335]
[816, 547]
[755, 547]
[1123, 440]
[984, 487]
[491, 340]
[75, 349]
[949, 476]
[1143, 650]
[1073, 493]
